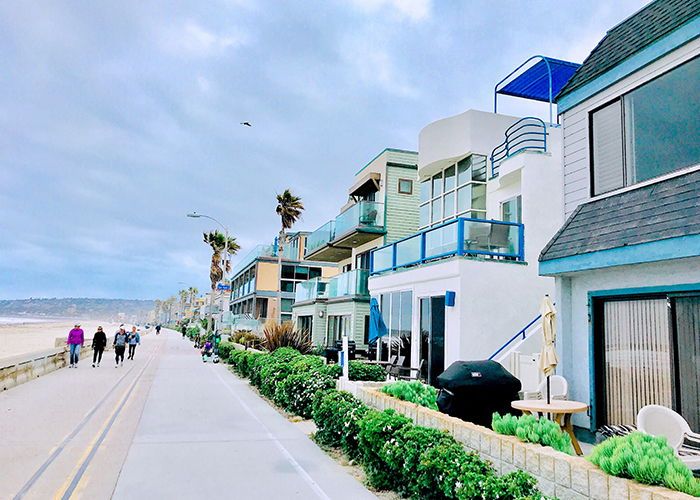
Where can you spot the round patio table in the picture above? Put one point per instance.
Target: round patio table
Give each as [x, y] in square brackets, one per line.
[561, 411]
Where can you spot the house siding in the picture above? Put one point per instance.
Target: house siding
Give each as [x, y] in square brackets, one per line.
[576, 147]
[401, 210]
[318, 329]
[358, 310]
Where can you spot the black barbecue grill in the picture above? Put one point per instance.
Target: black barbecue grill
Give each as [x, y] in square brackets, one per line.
[473, 390]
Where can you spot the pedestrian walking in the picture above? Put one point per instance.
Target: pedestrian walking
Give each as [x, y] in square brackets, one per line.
[184, 331]
[99, 342]
[120, 340]
[76, 338]
[134, 340]
[157, 329]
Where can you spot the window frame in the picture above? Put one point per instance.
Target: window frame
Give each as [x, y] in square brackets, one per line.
[410, 186]
[626, 169]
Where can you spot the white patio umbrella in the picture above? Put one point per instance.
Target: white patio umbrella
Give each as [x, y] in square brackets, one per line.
[548, 356]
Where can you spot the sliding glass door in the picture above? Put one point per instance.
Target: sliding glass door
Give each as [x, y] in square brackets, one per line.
[432, 337]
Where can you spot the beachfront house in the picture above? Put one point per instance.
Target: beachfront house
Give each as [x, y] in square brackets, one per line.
[257, 281]
[627, 259]
[382, 207]
[466, 283]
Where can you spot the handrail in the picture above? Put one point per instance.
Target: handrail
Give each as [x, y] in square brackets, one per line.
[529, 133]
[514, 337]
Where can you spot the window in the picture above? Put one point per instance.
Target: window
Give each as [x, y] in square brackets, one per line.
[458, 190]
[305, 323]
[648, 132]
[287, 305]
[511, 210]
[337, 327]
[292, 275]
[397, 311]
[405, 186]
[362, 260]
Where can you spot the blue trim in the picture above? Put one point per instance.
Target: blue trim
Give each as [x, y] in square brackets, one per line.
[668, 249]
[592, 400]
[644, 57]
[685, 287]
[384, 151]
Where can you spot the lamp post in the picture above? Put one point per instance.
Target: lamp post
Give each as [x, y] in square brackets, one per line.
[195, 215]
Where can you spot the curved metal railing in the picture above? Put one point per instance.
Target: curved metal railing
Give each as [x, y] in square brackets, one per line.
[529, 133]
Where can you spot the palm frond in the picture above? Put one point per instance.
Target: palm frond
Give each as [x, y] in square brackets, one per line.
[289, 208]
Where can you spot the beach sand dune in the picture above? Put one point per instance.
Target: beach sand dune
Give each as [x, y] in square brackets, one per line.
[32, 337]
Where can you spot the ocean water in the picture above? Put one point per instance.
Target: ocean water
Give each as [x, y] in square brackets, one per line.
[4, 320]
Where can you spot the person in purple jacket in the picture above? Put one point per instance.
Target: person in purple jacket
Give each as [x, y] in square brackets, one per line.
[76, 338]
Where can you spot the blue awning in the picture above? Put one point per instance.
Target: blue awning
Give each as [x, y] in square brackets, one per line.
[533, 83]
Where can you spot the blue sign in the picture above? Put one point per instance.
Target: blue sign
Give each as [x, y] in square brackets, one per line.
[223, 287]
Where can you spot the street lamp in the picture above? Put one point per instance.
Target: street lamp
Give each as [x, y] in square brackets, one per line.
[195, 215]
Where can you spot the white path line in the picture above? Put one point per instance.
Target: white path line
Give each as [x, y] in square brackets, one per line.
[302, 472]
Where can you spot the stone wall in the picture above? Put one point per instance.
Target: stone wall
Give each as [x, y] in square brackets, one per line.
[25, 367]
[558, 474]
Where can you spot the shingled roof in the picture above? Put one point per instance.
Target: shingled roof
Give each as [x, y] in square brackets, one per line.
[654, 21]
[666, 209]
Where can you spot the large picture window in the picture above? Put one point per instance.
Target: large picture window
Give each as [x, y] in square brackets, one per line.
[457, 191]
[648, 132]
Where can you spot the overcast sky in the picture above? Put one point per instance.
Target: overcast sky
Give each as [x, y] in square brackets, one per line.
[118, 118]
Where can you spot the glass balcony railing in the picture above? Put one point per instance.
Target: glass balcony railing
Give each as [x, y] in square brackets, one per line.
[349, 283]
[461, 236]
[362, 214]
[311, 290]
[258, 251]
[322, 236]
[365, 214]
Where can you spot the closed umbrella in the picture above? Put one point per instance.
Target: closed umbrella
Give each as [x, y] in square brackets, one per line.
[377, 327]
[548, 356]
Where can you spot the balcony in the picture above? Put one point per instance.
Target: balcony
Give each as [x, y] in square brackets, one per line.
[459, 237]
[334, 241]
[351, 283]
[527, 134]
[310, 290]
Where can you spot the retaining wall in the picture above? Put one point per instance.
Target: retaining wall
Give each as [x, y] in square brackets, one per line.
[558, 474]
[25, 367]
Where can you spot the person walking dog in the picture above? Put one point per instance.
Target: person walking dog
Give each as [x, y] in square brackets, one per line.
[99, 342]
[76, 338]
[134, 340]
[120, 340]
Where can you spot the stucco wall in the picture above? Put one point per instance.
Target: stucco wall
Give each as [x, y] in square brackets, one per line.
[267, 278]
[573, 341]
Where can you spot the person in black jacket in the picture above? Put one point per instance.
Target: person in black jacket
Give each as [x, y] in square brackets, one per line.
[99, 342]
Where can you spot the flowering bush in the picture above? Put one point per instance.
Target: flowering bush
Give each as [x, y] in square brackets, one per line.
[414, 392]
[647, 459]
[337, 415]
[532, 430]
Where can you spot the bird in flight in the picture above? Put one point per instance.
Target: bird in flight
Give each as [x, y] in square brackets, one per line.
[247, 124]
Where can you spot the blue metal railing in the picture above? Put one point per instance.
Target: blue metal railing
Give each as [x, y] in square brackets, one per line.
[521, 333]
[460, 236]
[529, 133]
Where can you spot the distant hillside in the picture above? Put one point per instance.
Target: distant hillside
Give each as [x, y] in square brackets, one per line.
[84, 308]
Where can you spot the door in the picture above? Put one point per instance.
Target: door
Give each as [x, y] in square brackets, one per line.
[432, 337]
[637, 358]
[686, 326]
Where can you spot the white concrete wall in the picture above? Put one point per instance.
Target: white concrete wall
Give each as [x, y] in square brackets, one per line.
[446, 140]
[573, 319]
[575, 123]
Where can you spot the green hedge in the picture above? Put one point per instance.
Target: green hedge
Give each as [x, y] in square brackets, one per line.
[225, 349]
[532, 430]
[417, 462]
[414, 392]
[366, 372]
[647, 459]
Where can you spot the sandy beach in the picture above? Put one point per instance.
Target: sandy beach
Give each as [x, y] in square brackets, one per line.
[31, 337]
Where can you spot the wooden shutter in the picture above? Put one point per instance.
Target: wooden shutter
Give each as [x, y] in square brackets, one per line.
[606, 143]
[637, 358]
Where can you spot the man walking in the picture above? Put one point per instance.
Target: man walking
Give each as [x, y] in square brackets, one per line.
[120, 340]
[99, 342]
[184, 331]
[76, 338]
[134, 340]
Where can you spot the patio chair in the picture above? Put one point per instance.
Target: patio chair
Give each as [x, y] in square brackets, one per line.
[392, 362]
[499, 238]
[558, 389]
[394, 367]
[410, 373]
[661, 421]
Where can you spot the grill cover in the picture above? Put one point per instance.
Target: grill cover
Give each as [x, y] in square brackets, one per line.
[473, 390]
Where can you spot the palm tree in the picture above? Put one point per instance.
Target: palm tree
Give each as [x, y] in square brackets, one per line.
[289, 208]
[220, 244]
[183, 298]
[193, 293]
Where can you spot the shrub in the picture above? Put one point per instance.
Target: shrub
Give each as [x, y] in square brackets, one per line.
[530, 429]
[297, 391]
[337, 415]
[285, 335]
[377, 429]
[516, 485]
[366, 372]
[225, 349]
[192, 331]
[647, 459]
[247, 338]
[414, 392]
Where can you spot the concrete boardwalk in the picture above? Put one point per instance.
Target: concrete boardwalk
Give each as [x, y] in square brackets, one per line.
[163, 426]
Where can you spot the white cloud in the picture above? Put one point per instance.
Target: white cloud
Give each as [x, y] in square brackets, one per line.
[194, 40]
[414, 10]
[204, 84]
